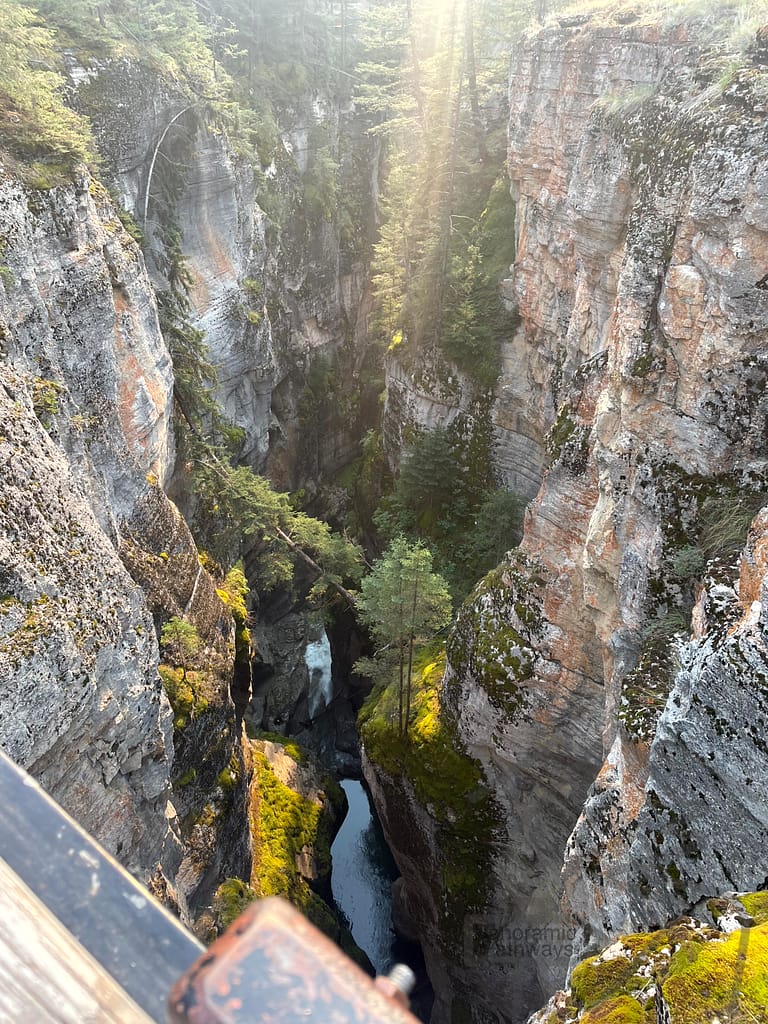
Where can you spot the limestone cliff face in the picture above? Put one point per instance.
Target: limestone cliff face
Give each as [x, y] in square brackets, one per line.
[281, 300]
[95, 555]
[82, 706]
[93, 386]
[639, 281]
[155, 144]
[79, 317]
[640, 857]
[278, 302]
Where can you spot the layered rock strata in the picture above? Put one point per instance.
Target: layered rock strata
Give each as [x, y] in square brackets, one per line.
[639, 280]
[277, 302]
[86, 422]
[82, 706]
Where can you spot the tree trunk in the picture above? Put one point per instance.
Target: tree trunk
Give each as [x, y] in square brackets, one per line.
[469, 54]
[418, 93]
[154, 158]
[343, 35]
[410, 658]
[400, 721]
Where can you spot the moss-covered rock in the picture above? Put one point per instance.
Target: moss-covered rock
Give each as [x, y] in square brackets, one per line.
[621, 1010]
[188, 693]
[293, 822]
[230, 900]
[692, 972]
[756, 905]
[722, 979]
[432, 764]
[494, 639]
[568, 441]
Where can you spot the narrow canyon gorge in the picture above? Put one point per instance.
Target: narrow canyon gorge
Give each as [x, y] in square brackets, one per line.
[286, 309]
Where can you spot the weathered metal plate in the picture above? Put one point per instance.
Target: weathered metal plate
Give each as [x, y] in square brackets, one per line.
[272, 966]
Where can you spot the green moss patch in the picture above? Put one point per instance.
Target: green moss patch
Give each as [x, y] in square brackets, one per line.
[431, 756]
[229, 777]
[726, 979]
[756, 905]
[231, 899]
[622, 1010]
[45, 399]
[446, 781]
[496, 634]
[704, 975]
[615, 982]
[290, 747]
[568, 441]
[283, 823]
[596, 979]
[187, 693]
[187, 778]
[233, 593]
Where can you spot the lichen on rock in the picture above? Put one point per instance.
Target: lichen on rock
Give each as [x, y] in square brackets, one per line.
[689, 973]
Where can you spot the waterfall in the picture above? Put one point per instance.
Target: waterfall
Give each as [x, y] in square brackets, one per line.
[317, 657]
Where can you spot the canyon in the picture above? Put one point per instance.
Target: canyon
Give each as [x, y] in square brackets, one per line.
[637, 378]
[604, 693]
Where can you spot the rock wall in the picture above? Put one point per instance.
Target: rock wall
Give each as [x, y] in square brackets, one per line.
[640, 856]
[86, 406]
[82, 706]
[666, 975]
[281, 300]
[277, 301]
[79, 316]
[91, 385]
[419, 899]
[96, 557]
[639, 180]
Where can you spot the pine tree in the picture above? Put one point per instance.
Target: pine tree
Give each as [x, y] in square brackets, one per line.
[35, 122]
[403, 601]
[182, 640]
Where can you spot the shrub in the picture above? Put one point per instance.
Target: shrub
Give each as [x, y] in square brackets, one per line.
[181, 639]
[688, 563]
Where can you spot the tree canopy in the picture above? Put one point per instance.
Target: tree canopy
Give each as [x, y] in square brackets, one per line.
[403, 601]
[181, 639]
[432, 79]
[35, 121]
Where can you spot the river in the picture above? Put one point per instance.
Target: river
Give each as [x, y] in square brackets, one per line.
[362, 876]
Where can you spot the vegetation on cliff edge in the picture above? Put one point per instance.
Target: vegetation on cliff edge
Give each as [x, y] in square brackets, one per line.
[446, 782]
[702, 974]
[35, 122]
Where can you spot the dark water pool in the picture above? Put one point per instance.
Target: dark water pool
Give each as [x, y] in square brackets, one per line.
[362, 876]
[361, 882]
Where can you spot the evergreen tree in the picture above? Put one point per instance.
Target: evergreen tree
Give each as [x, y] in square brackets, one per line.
[240, 504]
[180, 639]
[403, 601]
[433, 77]
[35, 122]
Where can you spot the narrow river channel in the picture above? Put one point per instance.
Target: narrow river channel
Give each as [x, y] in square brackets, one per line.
[362, 876]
